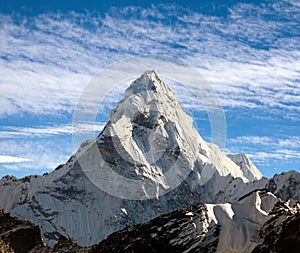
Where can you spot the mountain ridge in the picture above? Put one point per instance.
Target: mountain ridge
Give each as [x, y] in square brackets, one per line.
[198, 228]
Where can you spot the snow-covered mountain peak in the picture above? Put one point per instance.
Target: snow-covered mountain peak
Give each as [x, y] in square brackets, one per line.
[148, 81]
[147, 95]
[246, 165]
[151, 133]
[152, 139]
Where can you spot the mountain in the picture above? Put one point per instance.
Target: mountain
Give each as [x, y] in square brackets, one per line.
[149, 160]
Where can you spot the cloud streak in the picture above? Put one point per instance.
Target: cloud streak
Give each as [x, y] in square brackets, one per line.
[267, 151]
[12, 159]
[9, 132]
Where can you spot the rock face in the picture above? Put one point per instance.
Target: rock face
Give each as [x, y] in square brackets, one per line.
[150, 142]
[18, 236]
[281, 233]
[179, 231]
[285, 185]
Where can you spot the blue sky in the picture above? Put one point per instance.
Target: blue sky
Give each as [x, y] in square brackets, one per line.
[249, 51]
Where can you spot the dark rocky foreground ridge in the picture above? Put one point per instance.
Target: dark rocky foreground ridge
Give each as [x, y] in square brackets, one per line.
[184, 230]
[18, 236]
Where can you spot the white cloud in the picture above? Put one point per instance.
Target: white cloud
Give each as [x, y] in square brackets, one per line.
[9, 132]
[292, 142]
[284, 154]
[262, 140]
[268, 151]
[12, 159]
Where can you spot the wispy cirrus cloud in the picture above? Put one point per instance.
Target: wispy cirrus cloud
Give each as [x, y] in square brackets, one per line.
[251, 57]
[268, 151]
[290, 141]
[34, 155]
[10, 132]
[281, 154]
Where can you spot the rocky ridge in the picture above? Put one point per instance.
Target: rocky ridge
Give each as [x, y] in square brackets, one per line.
[256, 221]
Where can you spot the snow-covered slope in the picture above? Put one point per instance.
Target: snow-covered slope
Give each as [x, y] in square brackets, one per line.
[148, 139]
[248, 168]
[240, 222]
